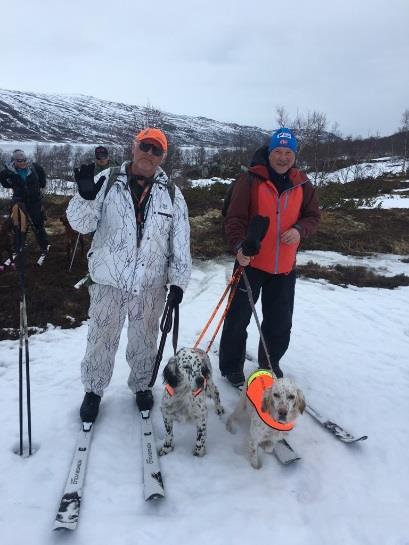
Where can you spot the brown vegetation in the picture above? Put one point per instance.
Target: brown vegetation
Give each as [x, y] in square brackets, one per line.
[52, 299]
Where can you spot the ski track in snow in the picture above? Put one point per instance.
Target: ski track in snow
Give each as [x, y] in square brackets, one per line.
[348, 353]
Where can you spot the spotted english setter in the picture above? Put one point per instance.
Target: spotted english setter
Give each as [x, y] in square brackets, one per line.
[188, 379]
[283, 402]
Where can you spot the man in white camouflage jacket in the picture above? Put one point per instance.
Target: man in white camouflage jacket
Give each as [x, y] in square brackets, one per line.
[141, 244]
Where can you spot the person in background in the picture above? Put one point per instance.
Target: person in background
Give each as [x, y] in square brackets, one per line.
[275, 189]
[27, 179]
[141, 244]
[102, 160]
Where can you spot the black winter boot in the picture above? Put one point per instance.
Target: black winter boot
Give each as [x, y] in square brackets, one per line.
[236, 378]
[144, 400]
[90, 407]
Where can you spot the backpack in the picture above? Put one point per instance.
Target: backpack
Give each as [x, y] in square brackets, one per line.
[229, 192]
[114, 173]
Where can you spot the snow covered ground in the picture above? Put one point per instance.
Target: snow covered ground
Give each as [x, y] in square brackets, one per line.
[206, 182]
[372, 169]
[382, 264]
[348, 353]
[390, 201]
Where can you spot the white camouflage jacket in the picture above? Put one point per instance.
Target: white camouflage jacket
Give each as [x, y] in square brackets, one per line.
[114, 259]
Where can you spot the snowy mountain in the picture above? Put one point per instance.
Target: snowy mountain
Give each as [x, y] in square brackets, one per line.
[83, 119]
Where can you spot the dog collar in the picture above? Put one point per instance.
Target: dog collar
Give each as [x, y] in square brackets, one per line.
[195, 393]
[257, 383]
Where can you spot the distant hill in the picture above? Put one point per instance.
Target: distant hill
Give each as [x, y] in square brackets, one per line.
[84, 119]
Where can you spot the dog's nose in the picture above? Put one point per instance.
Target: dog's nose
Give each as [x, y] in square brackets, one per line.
[282, 415]
[199, 382]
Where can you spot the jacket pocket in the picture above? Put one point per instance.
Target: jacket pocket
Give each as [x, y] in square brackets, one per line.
[166, 215]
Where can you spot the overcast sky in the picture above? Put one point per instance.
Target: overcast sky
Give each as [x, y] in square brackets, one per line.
[230, 60]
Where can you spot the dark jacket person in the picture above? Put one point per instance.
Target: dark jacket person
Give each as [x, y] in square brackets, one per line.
[27, 179]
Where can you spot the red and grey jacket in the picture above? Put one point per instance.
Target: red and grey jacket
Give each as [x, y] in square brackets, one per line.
[296, 207]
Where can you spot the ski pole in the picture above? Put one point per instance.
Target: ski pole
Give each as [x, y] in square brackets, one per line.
[20, 223]
[253, 308]
[73, 253]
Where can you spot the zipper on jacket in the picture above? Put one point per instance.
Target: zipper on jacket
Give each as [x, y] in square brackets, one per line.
[278, 222]
[287, 192]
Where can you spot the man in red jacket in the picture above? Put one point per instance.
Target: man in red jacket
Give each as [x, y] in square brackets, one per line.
[273, 188]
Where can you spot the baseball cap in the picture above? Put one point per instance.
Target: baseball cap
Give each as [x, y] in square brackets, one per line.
[283, 138]
[153, 134]
[101, 152]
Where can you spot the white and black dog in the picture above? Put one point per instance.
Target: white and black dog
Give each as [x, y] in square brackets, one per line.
[188, 379]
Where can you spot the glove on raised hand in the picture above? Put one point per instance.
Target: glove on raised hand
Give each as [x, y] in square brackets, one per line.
[84, 177]
[255, 234]
[175, 295]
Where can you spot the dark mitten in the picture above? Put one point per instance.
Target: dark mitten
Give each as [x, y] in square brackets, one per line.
[175, 295]
[84, 177]
[255, 234]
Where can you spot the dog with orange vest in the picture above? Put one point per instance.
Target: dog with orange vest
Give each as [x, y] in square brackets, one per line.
[273, 405]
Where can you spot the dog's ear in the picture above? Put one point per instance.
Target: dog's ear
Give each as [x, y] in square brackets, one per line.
[170, 374]
[205, 370]
[266, 403]
[300, 401]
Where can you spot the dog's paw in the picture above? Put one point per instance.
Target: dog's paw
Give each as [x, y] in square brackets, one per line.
[165, 450]
[267, 446]
[199, 451]
[220, 410]
[230, 426]
[256, 463]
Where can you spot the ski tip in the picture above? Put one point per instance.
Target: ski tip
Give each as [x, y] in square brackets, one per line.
[352, 439]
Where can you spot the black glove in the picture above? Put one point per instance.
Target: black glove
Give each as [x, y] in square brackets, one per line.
[255, 234]
[84, 177]
[175, 295]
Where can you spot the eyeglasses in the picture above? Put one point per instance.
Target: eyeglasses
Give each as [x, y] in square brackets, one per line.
[145, 147]
[20, 160]
[99, 157]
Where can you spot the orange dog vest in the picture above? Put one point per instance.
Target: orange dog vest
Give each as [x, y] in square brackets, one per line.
[257, 383]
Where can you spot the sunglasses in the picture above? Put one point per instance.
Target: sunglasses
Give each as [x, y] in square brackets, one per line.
[145, 147]
[20, 160]
[101, 156]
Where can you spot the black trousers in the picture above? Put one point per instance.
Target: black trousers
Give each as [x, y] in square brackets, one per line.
[277, 300]
[35, 214]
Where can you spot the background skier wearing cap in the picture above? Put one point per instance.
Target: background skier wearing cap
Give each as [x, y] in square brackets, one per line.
[102, 161]
[26, 179]
[275, 189]
[141, 244]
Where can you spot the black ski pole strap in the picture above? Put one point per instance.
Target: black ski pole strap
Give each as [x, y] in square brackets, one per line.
[253, 308]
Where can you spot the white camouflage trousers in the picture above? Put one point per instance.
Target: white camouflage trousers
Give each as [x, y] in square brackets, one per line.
[108, 309]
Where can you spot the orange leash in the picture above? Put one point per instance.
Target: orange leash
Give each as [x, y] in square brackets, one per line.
[232, 285]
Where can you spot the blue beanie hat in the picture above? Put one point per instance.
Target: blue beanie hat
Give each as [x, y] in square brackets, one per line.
[283, 138]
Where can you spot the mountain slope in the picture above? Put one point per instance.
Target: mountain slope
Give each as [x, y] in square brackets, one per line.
[81, 118]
